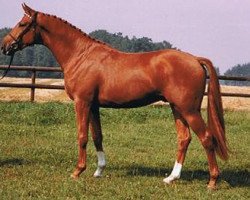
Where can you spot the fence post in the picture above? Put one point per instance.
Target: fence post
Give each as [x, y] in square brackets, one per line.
[33, 81]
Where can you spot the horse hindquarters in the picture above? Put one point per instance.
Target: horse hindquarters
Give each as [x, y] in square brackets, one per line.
[186, 99]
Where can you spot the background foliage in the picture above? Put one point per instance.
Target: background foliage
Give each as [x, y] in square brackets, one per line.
[239, 70]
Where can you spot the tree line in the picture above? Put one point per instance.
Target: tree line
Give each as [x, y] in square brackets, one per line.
[241, 71]
[39, 55]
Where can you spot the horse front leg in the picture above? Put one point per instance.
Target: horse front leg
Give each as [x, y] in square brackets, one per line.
[96, 130]
[82, 116]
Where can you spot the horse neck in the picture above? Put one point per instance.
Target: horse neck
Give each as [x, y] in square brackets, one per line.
[64, 40]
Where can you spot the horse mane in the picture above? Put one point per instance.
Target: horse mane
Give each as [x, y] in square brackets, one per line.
[76, 28]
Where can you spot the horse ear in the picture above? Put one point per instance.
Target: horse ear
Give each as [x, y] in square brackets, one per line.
[27, 9]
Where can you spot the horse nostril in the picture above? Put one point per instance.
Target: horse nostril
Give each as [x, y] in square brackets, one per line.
[3, 49]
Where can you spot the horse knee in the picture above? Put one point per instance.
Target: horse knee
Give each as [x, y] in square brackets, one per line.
[83, 141]
[183, 143]
[207, 142]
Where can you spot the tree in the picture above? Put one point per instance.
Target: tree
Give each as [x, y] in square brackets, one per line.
[241, 71]
[123, 43]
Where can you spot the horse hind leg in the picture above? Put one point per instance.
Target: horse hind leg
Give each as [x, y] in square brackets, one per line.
[184, 138]
[95, 127]
[197, 124]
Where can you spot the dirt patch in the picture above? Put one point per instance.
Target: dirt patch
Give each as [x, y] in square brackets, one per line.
[41, 95]
[45, 95]
[233, 103]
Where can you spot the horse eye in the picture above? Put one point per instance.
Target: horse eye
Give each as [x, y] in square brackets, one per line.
[21, 24]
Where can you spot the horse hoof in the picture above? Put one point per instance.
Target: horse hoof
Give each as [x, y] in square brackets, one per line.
[74, 176]
[97, 175]
[99, 171]
[167, 181]
[170, 179]
[211, 187]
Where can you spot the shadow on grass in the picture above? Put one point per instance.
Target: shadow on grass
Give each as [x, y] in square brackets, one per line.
[237, 178]
[13, 162]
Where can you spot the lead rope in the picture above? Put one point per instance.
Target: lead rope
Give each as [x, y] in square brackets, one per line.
[7, 70]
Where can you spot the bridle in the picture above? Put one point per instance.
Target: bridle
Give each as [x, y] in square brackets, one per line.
[18, 41]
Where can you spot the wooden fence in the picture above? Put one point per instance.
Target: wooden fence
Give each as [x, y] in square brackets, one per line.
[32, 85]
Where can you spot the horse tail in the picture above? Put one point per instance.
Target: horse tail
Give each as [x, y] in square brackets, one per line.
[216, 124]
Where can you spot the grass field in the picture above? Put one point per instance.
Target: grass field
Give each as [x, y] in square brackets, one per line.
[38, 152]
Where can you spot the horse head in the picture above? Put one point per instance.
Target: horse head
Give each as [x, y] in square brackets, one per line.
[24, 34]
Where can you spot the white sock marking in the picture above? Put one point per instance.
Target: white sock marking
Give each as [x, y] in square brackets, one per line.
[175, 174]
[101, 164]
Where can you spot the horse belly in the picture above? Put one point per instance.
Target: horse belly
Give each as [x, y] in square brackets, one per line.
[132, 103]
[128, 95]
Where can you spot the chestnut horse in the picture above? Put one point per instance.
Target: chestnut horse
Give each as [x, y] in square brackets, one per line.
[97, 75]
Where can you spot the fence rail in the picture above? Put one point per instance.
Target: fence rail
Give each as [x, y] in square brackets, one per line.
[34, 86]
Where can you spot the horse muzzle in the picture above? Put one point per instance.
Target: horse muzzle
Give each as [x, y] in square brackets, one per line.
[9, 49]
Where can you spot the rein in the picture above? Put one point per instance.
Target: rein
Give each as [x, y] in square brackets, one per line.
[7, 70]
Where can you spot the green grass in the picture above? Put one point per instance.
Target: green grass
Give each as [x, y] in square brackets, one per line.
[38, 152]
